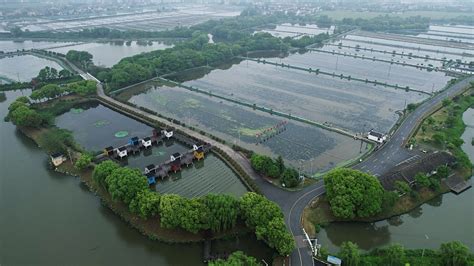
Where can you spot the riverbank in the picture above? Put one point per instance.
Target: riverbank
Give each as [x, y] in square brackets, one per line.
[447, 121]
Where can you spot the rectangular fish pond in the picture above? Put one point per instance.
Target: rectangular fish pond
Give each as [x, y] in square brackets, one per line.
[95, 127]
[351, 105]
[305, 146]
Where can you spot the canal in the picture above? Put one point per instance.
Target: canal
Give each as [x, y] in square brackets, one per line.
[446, 218]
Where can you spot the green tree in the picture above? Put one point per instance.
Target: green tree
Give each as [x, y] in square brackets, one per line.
[402, 187]
[280, 163]
[290, 177]
[124, 184]
[422, 180]
[223, 211]
[442, 171]
[349, 253]
[56, 140]
[24, 116]
[102, 170]
[146, 203]
[395, 255]
[352, 193]
[454, 254]
[188, 214]
[84, 161]
[237, 258]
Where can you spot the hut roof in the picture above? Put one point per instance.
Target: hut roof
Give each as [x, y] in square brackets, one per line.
[57, 155]
[123, 148]
[110, 148]
[147, 139]
[150, 166]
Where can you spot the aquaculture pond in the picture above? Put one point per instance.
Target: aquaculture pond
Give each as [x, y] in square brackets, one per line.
[446, 218]
[24, 67]
[209, 175]
[393, 74]
[413, 45]
[407, 51]
[73, 222]
[297, 30]
[109, 53]
[95, 126]
[302, 145]
[351, 105]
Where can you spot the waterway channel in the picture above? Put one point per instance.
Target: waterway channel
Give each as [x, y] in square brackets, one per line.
[446, 218]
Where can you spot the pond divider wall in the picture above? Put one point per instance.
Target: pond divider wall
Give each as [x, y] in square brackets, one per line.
[231, 163]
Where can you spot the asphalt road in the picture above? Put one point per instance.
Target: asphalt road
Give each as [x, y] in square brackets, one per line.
[293, 203]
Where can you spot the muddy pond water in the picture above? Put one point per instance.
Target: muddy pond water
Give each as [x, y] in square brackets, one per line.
[446, 218]
[304, 146]
[52, 219]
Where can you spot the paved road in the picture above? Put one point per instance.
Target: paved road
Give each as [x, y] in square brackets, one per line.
[293, 203]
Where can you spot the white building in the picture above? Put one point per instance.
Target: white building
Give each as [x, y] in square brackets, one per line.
[167, 133]
[146, 142]
[122, 152]
[376, 136]
[57, 159]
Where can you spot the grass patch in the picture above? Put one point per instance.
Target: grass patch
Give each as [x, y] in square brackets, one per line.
[444, 128]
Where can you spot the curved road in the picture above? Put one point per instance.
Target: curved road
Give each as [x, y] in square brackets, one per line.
[293, 203]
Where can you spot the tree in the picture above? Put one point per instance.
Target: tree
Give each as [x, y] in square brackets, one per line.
[290, 177]
[64, 73]
[352, 193]
[442, 171]
[389, 199]
[422, 180]
[102, 170]
[84, 161]
[146, 203]
[439, 138]
[395, 255]
[454, 254]
[402, 187]
[349, 253]
[223, 211]
[124, 184]
[280, 163]
[189, 214]
[24, 116]
[237, 258]
[56, 140]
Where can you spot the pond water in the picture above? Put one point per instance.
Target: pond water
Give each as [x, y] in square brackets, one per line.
[373, 70]
[350, 105]
[296, 30]
[314, 148]
[95, 126]
[25, 67]
[108, 54]
[446, 218]
[388, 48]
[441, 49]
[52, 219]
[11, 46]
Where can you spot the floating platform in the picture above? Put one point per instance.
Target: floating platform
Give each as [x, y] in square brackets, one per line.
[457, 184]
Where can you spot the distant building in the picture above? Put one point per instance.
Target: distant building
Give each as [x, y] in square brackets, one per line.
[109, 151]
[198, 152]
[376, 136]
[58, 158]
[150, 169]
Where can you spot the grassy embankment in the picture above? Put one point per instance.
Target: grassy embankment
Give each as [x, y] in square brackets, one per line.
[440, 131]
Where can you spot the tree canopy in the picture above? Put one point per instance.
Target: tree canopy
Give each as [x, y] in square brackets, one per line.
[124, 184]
[237, 258]
[352, 193]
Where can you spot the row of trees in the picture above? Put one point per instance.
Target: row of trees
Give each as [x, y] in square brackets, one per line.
[211, 212]
[450, 254]
[235, 259]
[50, 73]
[267, 166]
[52, 91]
